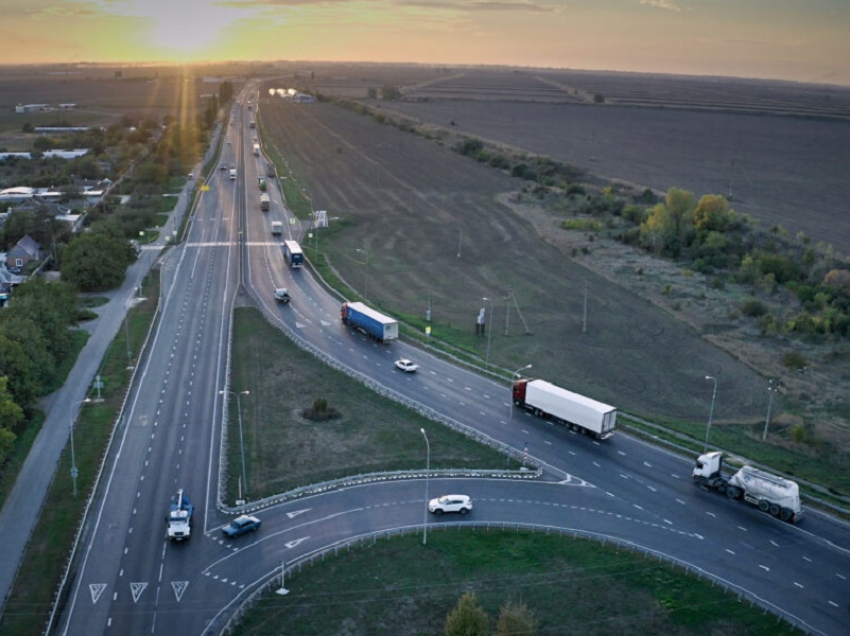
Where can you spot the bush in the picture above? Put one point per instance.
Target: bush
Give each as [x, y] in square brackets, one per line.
[753, 307]
[794, 361]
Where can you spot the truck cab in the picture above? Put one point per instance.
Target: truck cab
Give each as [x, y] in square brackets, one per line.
[708, 465]
[179, 517]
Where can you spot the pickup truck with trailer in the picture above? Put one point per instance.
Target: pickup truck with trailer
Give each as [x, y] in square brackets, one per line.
[265, 202]
[577, 412]
[370, 322]
[179, 517]
[277, 228]
[293, 254]
[774, 495]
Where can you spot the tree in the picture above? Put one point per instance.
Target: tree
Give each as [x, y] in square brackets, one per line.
[11, 416]
[711, 213]
[390, 93]
[515, 619]
[468, 618]
[658, 230]
[23, 381]
[97, 261]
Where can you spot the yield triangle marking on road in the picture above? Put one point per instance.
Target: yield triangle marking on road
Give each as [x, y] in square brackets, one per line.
[179, 587]
[137, 589]
[292, 544]
[96, 589]
[295, 513]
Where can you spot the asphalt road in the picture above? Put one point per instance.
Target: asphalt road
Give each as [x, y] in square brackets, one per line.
[131, 580]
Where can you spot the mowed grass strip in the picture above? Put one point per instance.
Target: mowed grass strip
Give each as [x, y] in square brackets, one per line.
[573, 586]
[284, 449]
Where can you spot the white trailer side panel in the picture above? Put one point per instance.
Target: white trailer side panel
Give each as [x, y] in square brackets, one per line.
[596, 417]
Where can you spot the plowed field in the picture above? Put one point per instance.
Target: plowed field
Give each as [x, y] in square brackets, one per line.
[427, 222]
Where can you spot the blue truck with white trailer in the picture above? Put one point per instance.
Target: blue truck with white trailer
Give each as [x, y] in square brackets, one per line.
[293, 253]
[370, 322]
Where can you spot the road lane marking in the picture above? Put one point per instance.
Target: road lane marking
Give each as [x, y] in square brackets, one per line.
[136, 590]
[295, 513]
[680, 501]
[96, 589]
[765, 568]
[179, 587]
[295, 542]
[729, 551]
[798, 585]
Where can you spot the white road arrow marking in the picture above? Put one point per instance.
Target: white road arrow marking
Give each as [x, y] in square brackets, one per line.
[765, 568]
[96, 589]
[137, 589]
[179, 587]
[292, 544]
[295, 513]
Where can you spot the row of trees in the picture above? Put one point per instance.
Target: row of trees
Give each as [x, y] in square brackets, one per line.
[35, 342]
[709, 236]
[468, 618]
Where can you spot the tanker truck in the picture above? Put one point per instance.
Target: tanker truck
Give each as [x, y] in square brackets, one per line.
[777, 496]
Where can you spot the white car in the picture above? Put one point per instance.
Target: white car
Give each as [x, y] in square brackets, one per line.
[450, 503]
[406, 365]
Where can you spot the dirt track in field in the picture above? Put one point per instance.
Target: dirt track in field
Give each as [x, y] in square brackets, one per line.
[413, 206]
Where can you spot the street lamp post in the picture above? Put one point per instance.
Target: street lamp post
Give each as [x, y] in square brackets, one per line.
[74, 471]
[488, 326]
[241, 438]
[511, 401]
[365, 273]
[771, 389]
[427, 473]
[710, 412]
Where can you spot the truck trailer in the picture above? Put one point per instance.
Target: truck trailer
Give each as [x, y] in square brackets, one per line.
[265, 202]
[293, 254]
[577, 412]
[179, 517]
[370, 322]
[774, 495]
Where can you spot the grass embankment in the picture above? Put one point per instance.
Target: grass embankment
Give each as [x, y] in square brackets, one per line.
[284, 449]
[31, 599]
[573, 586]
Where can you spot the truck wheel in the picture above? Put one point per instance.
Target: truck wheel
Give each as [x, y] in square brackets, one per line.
[732, 492]
[764, 506]
[700, 481]
[785, 514]
[774, 510]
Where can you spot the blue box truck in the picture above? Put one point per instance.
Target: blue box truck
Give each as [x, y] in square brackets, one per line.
[368, 321]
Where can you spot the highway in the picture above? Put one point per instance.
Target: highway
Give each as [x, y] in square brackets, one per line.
[130, 580]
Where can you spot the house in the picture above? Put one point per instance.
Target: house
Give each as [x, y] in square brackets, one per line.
[24, 251]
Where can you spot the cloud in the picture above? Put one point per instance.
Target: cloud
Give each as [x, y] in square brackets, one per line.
[480, 5]
[670, 5]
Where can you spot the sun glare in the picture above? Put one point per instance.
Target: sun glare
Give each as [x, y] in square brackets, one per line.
[181, 30]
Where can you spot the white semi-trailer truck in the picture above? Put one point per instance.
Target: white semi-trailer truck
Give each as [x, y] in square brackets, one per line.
[575, 411]
[771, 494]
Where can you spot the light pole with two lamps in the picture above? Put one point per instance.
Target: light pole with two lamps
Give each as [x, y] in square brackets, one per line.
[772, 387]
[427, 473]
[710, 412]
[241, 438]
[74, 471]
[511, 402]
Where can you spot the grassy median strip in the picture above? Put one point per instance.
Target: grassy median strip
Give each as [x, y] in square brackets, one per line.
[31, 598]
[573, 586]
[360, 431]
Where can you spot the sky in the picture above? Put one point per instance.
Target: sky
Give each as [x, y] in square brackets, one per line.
[801, 40]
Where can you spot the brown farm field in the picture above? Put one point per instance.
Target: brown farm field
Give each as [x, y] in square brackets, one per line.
[413, 221]
[428, 221]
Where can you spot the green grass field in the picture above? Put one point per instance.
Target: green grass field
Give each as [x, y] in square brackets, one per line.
[573, 586]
